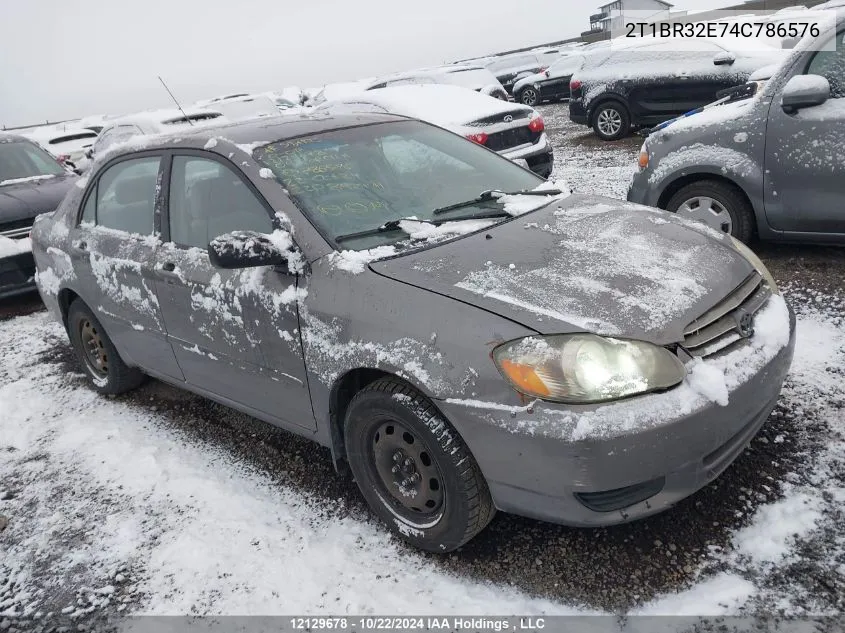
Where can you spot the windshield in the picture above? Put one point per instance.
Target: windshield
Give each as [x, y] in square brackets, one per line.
[471, 77]
[357, 179]
[20, 159]
[567, 64]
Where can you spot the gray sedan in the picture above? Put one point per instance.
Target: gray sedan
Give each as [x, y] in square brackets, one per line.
[771, 166]
[463, 336]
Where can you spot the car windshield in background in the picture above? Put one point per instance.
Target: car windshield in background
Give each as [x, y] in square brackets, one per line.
[358, 179]
[20, 159]
[514, 62]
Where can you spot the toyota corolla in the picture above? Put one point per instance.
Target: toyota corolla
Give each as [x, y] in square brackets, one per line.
[462, 334]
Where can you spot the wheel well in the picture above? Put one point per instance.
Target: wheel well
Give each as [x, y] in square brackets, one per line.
[675, 186]
[341, 395]
[604, 100]
[66, 297]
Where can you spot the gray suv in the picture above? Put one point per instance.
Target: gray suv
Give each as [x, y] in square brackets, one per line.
[773, 165]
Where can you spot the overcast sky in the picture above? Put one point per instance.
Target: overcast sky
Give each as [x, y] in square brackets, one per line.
[61, 59]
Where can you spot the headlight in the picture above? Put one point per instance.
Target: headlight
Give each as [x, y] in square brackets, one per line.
[585, 368]
[759, 266]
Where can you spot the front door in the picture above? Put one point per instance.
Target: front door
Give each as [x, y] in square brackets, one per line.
[112, 248]
[235, 333]
[805, 159]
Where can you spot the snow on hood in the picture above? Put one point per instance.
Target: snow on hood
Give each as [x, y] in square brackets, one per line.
[584, 264]
[717, 115]
[439, 104]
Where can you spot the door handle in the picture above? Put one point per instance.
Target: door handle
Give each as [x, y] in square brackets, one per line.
[168, 267]
[79, 245]
[167, 270]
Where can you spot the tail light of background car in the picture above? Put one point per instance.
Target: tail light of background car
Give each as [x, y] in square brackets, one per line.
[574, 85]
[536, 124]
[480, 138]
[63, 158]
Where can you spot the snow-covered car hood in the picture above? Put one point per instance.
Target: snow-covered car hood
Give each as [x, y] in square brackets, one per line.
[584, 264]
[28, 198]
[726, 116]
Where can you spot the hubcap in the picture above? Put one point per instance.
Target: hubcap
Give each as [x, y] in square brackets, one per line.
[529, 97]
[94, 352]
[407, 470]
[609, 121]
[708, 211]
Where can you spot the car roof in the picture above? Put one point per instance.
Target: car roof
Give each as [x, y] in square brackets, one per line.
[8, 137]
[255, 131]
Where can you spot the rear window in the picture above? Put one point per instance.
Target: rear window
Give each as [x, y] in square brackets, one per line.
[205, 116]
[514, 62]
[73, 137]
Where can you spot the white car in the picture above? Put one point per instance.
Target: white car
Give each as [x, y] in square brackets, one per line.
[68, 143]
[153, 122]
[515, 131]
[244, 106]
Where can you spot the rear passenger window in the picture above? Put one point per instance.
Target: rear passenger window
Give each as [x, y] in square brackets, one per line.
[207, 199]
[126, 193]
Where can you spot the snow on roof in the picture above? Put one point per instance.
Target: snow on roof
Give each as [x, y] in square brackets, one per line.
[440, 104]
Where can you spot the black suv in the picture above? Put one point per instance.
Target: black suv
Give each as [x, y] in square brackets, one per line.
[31, 182]
[648, 81]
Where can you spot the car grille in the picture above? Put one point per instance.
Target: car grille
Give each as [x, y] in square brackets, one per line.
[515, 115]
[513, 137]
[16, 229]
[730, 321]
[610, 500]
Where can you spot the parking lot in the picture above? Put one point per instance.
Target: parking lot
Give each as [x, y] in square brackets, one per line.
[226, 514]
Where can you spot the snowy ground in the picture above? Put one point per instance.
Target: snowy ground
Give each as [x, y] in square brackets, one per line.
[162, 502]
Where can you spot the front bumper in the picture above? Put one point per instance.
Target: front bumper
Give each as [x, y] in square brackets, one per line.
[17, 274]
[604, 481]
[641, 191]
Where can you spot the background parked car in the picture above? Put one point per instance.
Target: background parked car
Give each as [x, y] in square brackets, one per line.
[31, 182]
[68, 143]
[550, 85]
[244, 106]
[509, 69]
[514, 131]
[771, 165]
[647, 81]
[153, 122]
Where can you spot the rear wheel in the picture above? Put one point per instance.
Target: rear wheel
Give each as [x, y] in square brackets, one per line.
[611, 121]
[97, 354]
[719, 205]
[414, 469]
[529, 96]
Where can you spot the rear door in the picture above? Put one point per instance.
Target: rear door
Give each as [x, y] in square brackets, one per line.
[556, 86]
[805, 160]
[112, 248]
[235, 333]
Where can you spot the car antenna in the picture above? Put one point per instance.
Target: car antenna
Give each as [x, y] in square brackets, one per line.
[175, 101]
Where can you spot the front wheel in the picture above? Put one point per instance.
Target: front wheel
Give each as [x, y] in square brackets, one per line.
[414, 469]
[611, 121]
[719, 205]
[528, 96]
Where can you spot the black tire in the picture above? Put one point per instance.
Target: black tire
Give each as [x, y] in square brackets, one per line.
[615, 110]
[528, 96]
[440, 457]
[89, 339]
[727, 195]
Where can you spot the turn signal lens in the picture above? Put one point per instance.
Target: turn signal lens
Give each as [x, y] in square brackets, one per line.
[480, 138]
[524, 378]
[642, 161]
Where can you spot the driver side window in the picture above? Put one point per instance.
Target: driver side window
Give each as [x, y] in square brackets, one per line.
[830, 64]
[207, 199]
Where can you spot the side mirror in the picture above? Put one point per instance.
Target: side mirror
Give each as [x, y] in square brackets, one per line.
[89, 153]
[724, 59]
[247, 249]
[547, 73]
[804, 91]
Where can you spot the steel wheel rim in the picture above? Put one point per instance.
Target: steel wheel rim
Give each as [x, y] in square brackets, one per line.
[708, 211]
[610, 121]
[93, 349]
[529, 97]
[411, 483]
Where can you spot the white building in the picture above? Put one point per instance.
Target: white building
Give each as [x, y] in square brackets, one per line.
[613, 15]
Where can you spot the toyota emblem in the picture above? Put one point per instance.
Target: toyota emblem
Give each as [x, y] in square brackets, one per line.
[745, 324]
[508, 118]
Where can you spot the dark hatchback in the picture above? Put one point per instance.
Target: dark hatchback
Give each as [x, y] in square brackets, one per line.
[31, 182]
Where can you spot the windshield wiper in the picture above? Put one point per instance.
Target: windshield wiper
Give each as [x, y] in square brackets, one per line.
[493, 194]
[393, 225]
